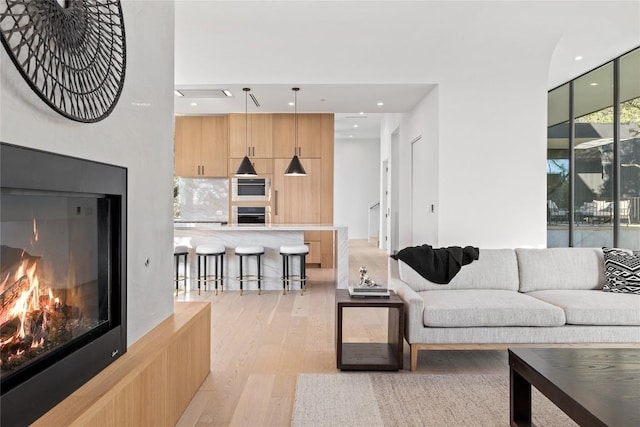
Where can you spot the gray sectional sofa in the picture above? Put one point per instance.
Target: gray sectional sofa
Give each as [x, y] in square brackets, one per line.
[511, 297]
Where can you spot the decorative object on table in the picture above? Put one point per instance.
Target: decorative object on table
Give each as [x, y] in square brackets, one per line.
[365, 281]
[71, 53]
[368, 288]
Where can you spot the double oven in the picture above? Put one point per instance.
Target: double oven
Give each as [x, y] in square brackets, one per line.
[250, 200]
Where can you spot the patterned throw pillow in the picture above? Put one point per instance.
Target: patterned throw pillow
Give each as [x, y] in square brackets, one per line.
[621, 271]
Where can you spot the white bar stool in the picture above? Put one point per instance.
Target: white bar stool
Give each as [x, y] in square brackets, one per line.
[203, 253]
[180, 254]
[300, 251]
[243, 251]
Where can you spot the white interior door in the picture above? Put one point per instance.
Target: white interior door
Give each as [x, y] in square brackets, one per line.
[419, 202]
[394, 193]
[384, 209]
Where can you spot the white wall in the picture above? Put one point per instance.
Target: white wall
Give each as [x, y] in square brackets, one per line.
[487, 152]
[137, 135]
[356, 183]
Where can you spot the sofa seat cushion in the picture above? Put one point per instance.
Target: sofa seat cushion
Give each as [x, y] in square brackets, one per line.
[487, 307]
[560, 268]
[584, 307]
[494, 269]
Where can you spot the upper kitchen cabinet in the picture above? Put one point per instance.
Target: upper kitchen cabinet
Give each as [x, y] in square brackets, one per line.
[201, 146]
[257, 143]
[314, 130]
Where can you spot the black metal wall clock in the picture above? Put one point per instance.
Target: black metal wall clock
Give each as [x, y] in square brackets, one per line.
[71, 53]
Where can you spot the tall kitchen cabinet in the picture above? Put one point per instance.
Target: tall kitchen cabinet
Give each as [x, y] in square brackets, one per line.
[201, 146]
[305, 199]
[309, 135]
[251, 135]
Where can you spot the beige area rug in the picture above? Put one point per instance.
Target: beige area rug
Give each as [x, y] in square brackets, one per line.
[404, 399]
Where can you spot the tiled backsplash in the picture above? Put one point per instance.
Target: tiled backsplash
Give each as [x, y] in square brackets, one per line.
[203, 199]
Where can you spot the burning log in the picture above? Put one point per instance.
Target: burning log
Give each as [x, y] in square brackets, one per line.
[10, 296]
[15, 265]
[9, 329]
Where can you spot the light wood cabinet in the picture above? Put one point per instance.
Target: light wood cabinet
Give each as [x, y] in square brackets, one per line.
[187, 142]
[258, 142]
[310, 134]
[201, 146]
[296, 199]
[313, 240]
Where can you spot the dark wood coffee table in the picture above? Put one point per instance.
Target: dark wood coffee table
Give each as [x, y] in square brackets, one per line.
[595, 387]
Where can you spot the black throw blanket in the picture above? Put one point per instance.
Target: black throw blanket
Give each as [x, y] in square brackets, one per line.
[437, 265]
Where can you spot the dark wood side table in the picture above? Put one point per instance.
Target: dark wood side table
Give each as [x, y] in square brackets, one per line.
[365, 356]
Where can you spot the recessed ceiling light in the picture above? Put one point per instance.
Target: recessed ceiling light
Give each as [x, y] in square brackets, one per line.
[227, 92]
[380, 104]
[291, 104]
[176, 92]
[361, 113]
[578, 58]
[593, 84]
[355, 126]
[194, 104]
[350, 136]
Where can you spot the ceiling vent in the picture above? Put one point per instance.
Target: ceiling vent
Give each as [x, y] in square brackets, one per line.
[356, 117]
[205, 93]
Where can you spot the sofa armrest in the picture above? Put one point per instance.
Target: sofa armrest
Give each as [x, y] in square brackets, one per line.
[413, 304]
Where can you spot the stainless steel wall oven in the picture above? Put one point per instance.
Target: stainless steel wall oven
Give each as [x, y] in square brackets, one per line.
[250, 189]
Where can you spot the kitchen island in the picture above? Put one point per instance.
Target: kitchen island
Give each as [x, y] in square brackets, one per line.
[271, 237]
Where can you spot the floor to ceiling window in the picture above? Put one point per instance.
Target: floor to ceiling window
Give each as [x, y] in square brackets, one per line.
[629, 218]
[558, 167]
[593, 158]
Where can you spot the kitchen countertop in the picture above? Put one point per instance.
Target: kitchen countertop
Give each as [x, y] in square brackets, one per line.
[255, 227]
[271, 237]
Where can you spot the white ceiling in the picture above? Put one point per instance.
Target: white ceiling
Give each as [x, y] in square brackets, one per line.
[346, 56]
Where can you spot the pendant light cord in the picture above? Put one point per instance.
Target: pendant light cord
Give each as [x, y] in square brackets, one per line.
[246, 122]
[295, 117]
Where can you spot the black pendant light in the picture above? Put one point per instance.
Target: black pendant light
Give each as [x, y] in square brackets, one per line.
[246, 168]
[295, 167]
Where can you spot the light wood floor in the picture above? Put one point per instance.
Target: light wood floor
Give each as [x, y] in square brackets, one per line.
[261, 342]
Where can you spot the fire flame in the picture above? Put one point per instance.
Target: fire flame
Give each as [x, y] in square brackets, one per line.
[31, 300]
[35, 230]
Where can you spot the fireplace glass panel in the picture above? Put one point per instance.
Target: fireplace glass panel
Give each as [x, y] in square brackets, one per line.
[54, 280]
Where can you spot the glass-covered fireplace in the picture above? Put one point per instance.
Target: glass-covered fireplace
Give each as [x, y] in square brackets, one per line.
[62, 277]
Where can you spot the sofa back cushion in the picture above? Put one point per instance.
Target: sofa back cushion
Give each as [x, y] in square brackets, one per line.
[494, 269]
[560, 268]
